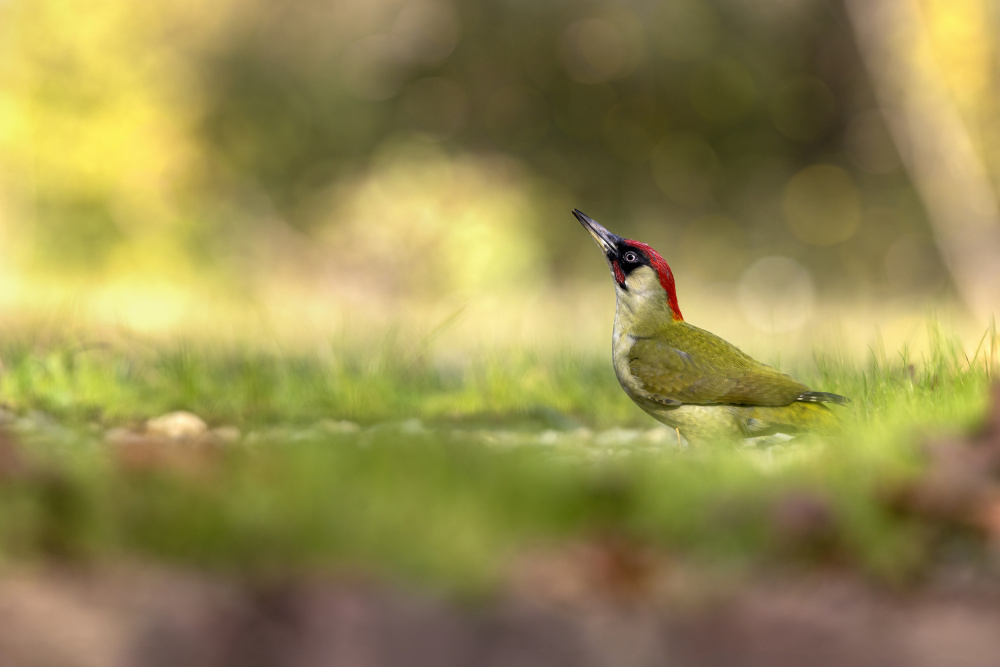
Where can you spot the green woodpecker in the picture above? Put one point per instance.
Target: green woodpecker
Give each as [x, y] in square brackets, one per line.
[686, 377]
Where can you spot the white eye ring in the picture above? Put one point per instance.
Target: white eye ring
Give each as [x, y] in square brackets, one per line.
[631, 257]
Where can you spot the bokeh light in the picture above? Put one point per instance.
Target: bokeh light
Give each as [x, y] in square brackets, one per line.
[822, 205]
[370, 68]
[595, 50]
[218, 150]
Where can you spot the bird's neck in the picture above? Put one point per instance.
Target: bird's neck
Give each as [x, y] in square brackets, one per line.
[642, 313]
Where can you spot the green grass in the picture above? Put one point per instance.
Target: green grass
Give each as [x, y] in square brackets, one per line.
[509, 454]
[91, 382]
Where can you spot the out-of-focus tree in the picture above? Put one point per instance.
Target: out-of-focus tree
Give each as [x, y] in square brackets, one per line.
[247, 136]
[934, 67]
[97, 129]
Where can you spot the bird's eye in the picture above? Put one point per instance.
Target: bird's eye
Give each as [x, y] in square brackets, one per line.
[631, 257]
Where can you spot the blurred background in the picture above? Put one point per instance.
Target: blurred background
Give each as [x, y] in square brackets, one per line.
[812, 169]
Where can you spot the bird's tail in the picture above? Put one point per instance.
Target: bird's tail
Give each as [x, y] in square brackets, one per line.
[822, 397]
[795, 418]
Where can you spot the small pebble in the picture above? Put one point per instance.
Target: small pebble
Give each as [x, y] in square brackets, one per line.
[180, 425]
[549, 437]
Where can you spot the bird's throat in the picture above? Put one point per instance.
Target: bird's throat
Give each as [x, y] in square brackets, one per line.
[641, 314]
[644, 307]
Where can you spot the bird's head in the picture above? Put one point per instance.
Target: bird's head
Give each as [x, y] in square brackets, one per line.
[640, 274]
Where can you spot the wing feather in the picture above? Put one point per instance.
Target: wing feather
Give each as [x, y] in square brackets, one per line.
[685, 364]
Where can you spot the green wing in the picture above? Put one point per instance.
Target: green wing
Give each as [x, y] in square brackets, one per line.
[685, 364]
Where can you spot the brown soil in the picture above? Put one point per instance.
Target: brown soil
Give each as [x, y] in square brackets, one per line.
[148, 617]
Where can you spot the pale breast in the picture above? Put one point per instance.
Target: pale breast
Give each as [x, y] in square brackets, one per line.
[621, 345]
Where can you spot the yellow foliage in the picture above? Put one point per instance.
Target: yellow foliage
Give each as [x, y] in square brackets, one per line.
[422, 223]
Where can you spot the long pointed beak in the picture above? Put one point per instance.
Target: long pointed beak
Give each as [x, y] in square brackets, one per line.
[604, 238]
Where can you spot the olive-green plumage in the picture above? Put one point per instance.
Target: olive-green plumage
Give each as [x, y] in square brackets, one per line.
[685, 364]
[686, 377]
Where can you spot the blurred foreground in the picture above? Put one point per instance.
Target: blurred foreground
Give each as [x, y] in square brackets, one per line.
[515, 508]
[141, 617]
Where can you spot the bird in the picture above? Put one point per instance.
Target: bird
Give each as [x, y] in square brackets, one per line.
[702, 386]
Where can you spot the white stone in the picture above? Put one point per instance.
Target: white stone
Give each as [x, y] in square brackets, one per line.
[549, 437]
[180, 425]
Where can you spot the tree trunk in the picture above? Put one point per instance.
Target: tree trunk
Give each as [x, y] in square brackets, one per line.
[935, 145]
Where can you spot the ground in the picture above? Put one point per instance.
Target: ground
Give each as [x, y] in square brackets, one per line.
[214, 505]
